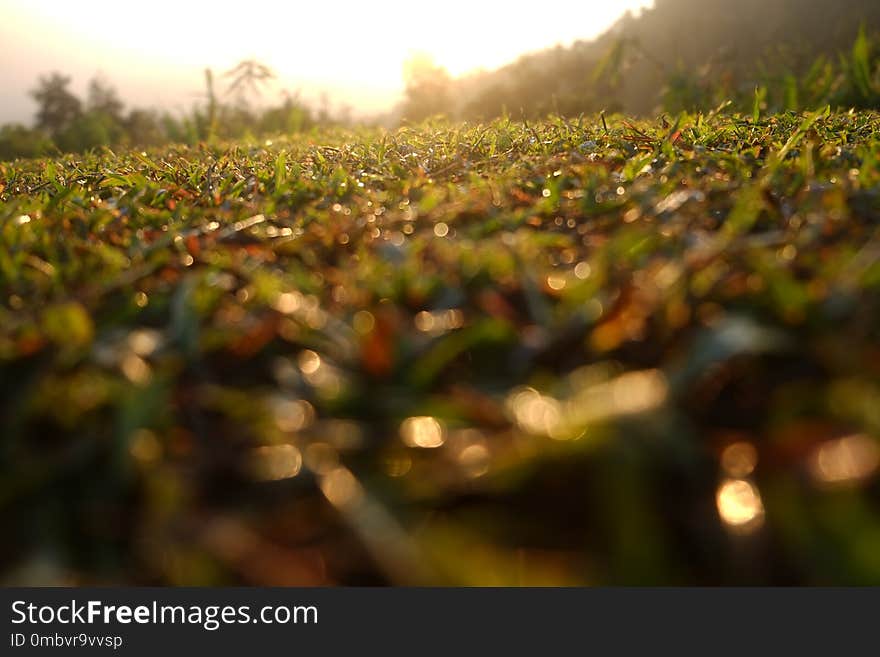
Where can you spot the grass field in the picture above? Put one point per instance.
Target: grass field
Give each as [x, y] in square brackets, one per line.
[591, 351]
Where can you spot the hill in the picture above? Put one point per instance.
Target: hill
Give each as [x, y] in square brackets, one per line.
[678, 45]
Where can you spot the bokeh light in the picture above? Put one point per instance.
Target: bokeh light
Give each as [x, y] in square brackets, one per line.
[275, 462]
[739, 459]
[423, 431]
[739, 505]
[846, 460]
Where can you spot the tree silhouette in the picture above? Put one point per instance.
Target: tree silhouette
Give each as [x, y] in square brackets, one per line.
[211, 96]
[103, 98]
[428, 88]
[58, 108]
[248, 77]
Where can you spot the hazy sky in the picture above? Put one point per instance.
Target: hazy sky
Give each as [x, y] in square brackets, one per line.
[155, 51]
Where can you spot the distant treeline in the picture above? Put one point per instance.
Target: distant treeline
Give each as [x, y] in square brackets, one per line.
[681, 54]
[66, 123]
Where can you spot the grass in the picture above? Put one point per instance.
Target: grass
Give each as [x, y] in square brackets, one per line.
[566, 352]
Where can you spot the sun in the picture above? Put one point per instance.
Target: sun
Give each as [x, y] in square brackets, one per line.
[348, 47]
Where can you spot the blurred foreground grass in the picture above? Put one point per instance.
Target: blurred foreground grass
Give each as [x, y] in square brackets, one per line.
[554, 353]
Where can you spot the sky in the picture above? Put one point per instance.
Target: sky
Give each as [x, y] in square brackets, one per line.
[155, 51]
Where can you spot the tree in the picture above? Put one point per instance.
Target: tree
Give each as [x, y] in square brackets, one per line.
[58, 108]
[143, 128]
[291, 116]
[103, 98]
[18, 141]
[428, 88]
[248, 77]
[211, 97]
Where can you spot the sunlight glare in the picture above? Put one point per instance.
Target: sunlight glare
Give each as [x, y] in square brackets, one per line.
[354, 51]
